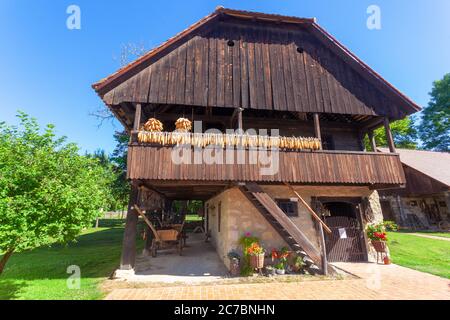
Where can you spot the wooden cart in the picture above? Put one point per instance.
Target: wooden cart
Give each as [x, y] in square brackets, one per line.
[164, 238]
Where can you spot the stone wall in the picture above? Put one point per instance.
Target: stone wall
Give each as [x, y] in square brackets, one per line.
[239, 215]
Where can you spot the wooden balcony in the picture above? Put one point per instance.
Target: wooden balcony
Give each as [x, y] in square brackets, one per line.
[153, 162]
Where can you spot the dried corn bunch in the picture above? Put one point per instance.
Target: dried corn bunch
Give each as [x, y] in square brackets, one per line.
[183, 125]
[153, 125]
[202, 140]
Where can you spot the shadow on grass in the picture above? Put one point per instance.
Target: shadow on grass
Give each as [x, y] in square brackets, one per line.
[96, 252]
[10, 289]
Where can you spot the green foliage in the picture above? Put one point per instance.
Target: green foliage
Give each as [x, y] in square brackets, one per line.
[41, 273]
[121, 187]
[48, 192]
[434, 129]
[423, 254]
[117, 183]
[403, 131]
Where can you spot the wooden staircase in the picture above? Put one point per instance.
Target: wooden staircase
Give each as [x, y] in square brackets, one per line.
[293, 236]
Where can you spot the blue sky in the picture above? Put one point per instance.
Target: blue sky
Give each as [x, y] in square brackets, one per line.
[47, 70]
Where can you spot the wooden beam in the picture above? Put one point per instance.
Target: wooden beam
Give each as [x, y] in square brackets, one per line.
[313, 213]
[371, 124]
[150, 225]
[324, 251]
[317, 132]
[239, 122]
[372, 141]
[389, 138]
[137, 117]
[128, 257]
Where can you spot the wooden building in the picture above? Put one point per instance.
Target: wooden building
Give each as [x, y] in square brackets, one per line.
[425, 201]
[244, 70]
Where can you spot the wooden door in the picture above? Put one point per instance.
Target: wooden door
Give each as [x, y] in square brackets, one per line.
[345, 243]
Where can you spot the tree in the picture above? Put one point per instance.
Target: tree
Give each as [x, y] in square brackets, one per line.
[48, 191]
[434, 129]
[121, 186]
[403, 132]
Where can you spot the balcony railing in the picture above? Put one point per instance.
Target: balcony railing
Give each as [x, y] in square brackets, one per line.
[159, 159]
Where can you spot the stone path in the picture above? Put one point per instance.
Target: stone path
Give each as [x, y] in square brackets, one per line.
[429, 236]
[374, 282]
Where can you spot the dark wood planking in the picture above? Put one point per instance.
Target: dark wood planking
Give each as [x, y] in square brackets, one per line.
[259, 71]
[236, 52]
[276, 70]
[190, 73]
[286, 40]
[243, 48]
[262, 71]
[212, 71]
[267, 73]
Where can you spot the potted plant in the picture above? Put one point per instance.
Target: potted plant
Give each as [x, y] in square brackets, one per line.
[281, 256]
[256, 253]
[253, 254]
[270, 270]
[297, 264]
[235, 259]
[280, 268]
[378, 237]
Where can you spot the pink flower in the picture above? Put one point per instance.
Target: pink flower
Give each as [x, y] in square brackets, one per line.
[248, 234]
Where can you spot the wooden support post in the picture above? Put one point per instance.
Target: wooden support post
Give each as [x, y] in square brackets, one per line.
[389, 138]
[317, 132]
[239, 122]
[372, 141]
[137, 117]
[324, 251]
[128, 257]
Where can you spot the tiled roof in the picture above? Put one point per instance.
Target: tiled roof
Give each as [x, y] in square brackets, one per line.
[434, 164]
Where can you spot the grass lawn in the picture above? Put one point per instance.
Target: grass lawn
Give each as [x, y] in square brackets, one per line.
[423, 254]
[41, 273]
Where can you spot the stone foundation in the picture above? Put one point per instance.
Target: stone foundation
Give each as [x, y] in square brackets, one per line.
[238, 215]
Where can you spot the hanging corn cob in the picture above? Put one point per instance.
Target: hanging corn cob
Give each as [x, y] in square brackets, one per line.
[224, 140]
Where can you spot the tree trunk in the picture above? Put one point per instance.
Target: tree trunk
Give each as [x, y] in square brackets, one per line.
[5, 259]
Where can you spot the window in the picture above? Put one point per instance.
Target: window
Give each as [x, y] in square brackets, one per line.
[289, 207]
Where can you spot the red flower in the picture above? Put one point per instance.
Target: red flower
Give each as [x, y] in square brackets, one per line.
[380, 235]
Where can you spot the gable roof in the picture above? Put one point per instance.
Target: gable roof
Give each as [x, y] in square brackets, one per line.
[359, 66]
[435, 165]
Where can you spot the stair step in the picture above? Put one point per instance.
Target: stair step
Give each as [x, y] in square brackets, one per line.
[308, 261]
[313, 270]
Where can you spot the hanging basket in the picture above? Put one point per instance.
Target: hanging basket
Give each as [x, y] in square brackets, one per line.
[257, 261]
[380, 246]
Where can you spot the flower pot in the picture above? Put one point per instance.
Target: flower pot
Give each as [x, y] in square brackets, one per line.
[280, 271]
[387, 260]
[270, 271]
[380, 246]
[257, 261]
[234, 267]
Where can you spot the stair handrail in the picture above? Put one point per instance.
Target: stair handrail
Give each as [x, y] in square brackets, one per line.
[311, 211]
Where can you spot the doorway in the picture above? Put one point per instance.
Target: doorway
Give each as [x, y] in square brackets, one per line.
[346, 242]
